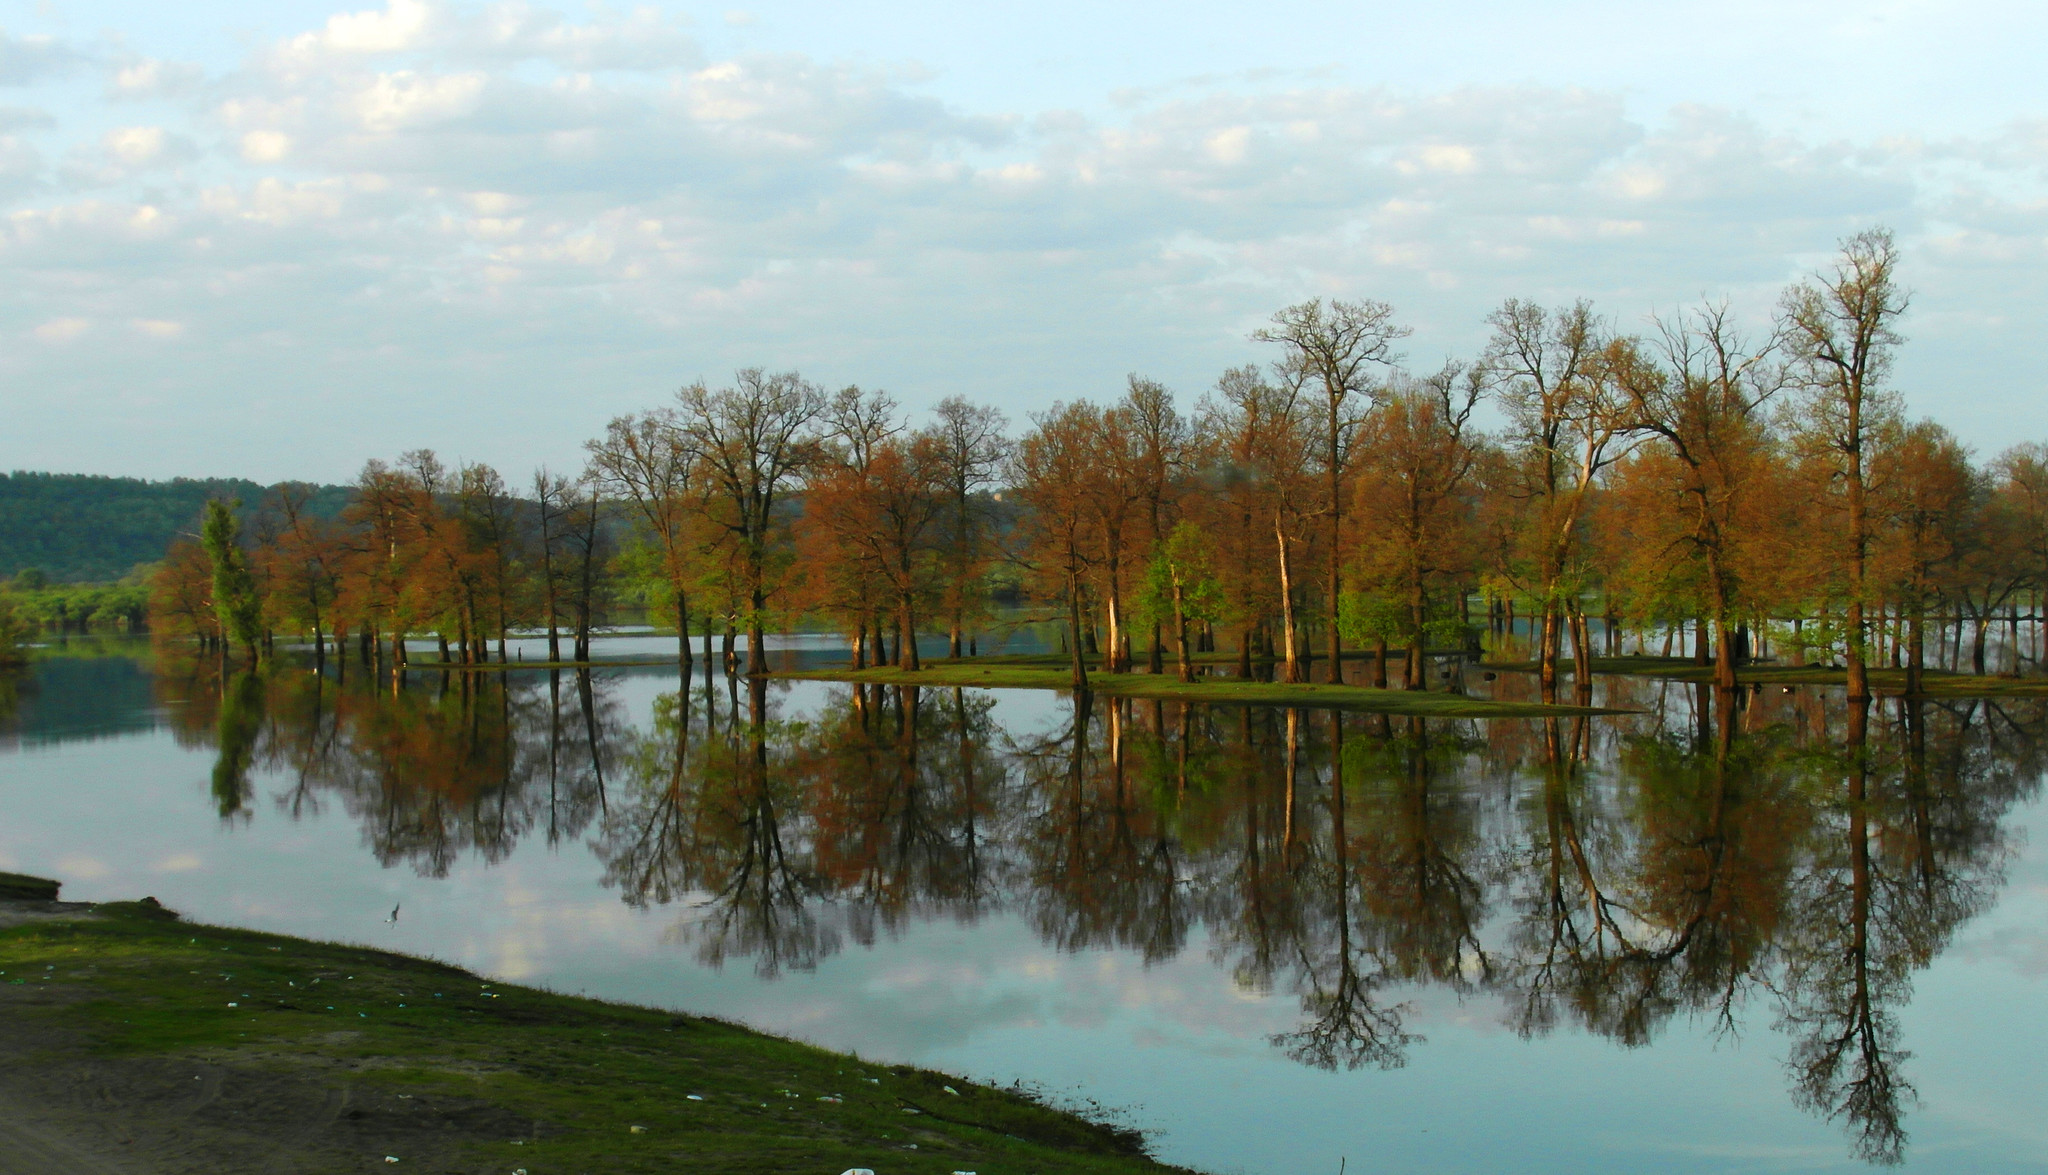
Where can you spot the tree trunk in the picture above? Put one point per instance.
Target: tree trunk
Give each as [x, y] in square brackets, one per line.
[1546, 664]
[906, 637]
[1180, 630]
[1418, 607]
[1287, 604]
[1724, 659]
[757, 643]
[1916, 652]
[1582, 657]
[1118, 662]
[1074, 638]
[683, 660]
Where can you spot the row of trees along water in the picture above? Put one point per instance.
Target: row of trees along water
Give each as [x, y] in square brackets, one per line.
[1696, 474]
[1719, 857]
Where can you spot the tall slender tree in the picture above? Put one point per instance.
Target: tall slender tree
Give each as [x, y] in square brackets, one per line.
[1841, 327]
[234, 589]
[1335, 350]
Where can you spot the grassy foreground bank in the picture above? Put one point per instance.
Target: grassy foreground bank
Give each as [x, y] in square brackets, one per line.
[989, 673]
[133, 1036]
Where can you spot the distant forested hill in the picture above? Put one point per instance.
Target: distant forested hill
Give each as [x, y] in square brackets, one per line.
[78, 527]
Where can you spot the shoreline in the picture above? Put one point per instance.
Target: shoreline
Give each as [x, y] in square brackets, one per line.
[138, 1042]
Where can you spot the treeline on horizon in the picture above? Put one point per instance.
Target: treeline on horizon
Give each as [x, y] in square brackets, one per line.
[1694, 475]
[64, 529]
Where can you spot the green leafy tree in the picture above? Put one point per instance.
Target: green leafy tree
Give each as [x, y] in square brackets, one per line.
[234, 589]
[14, 630]
[1181, 586]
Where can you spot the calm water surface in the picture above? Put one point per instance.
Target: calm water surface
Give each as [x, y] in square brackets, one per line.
[1703, 938]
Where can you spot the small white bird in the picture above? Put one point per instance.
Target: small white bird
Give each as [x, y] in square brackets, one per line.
[394, 915]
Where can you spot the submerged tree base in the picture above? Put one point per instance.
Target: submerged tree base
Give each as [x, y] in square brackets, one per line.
[988, 674]
[132, 1035]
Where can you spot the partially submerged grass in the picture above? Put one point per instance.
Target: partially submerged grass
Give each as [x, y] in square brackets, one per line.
[1033, 673]
[599, 1087]
[500, 666]
[1934, 683]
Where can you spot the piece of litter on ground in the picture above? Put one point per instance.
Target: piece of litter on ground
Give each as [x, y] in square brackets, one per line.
[908, 1110]
[856, 1171]
[829, 1098]
[872, 1080]
[692, 1097]
[233, 1004]
[637, 1129]
[951, 1090]
[390, 1158]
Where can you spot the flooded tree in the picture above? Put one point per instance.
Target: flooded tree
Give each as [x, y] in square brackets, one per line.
[1842, 330]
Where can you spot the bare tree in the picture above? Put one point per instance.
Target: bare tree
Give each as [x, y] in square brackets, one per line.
[1704, 408]
[553, 498]
[973, 446]
[1048, 469]
[1840, 328]
[648, 460]
[1162, 437]
[491, 513]
[1551, 370]
[755, 439]
[1334, 349]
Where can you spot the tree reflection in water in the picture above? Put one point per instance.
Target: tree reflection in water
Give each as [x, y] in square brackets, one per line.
[1727, 857]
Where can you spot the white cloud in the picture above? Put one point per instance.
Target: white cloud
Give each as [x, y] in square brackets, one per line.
[150, 77]
[266, 146]
[136, 145]
[62, 330]
[402, 24]
[461, 198]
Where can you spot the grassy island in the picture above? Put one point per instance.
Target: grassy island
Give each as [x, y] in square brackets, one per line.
[134, 1037]
[1053, 674]
[1934, 683]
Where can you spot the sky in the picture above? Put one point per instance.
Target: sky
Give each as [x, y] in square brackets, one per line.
[273, 240]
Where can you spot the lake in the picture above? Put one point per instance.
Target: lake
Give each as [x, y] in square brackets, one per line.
[1759, 933]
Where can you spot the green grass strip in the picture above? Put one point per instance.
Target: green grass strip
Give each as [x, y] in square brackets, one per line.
[546, 1082]
[1216, 690]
